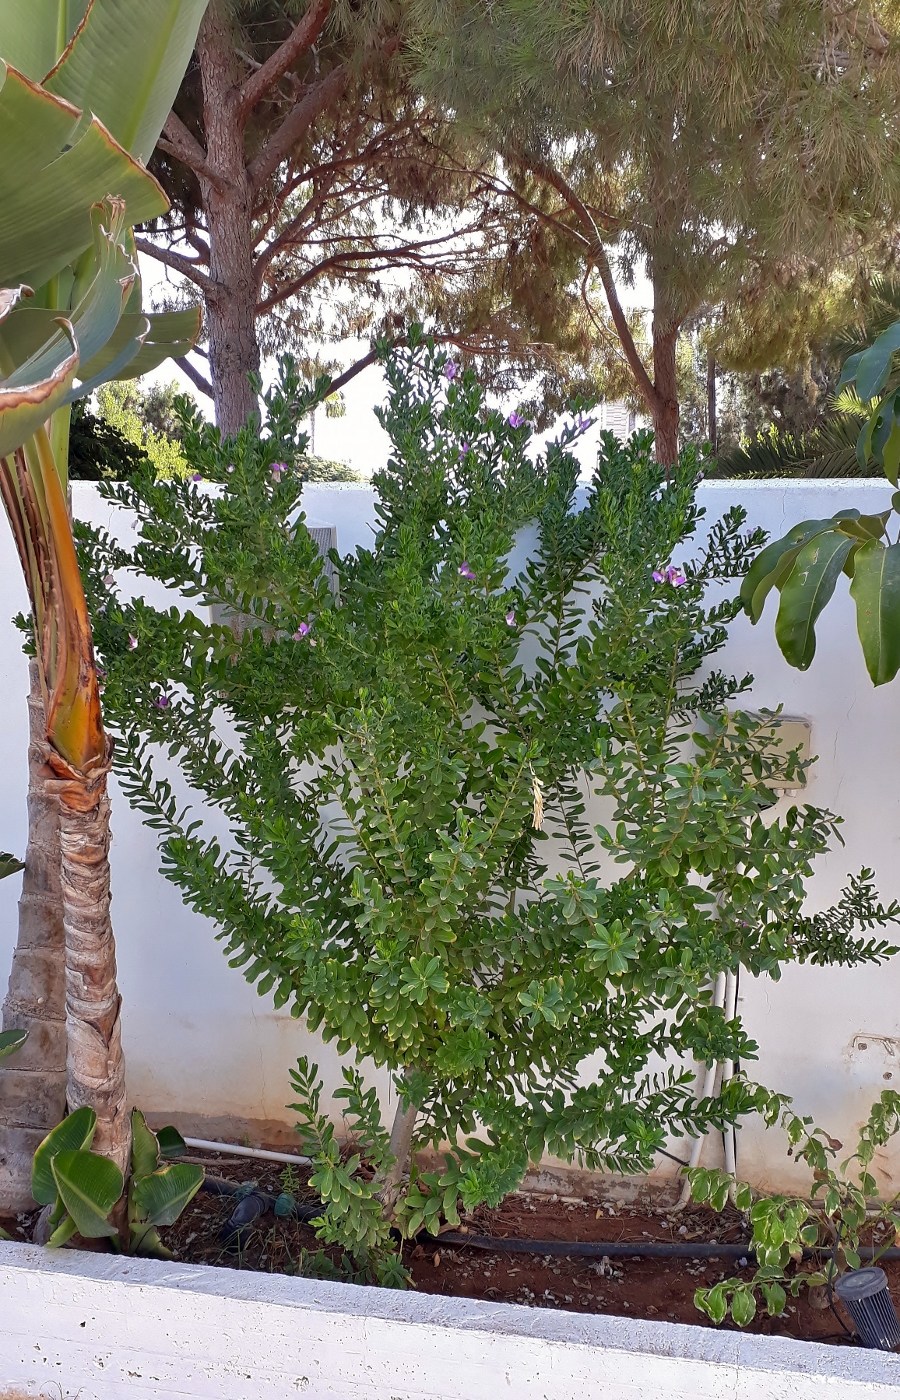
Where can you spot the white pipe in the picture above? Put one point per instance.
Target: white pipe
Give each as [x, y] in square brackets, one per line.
[729, 1136]
[709, 1079]
[232, 1150]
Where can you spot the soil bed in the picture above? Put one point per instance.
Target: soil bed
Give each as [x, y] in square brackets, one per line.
[657, 1289]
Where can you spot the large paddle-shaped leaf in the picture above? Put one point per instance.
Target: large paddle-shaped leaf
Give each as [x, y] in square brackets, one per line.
[73, 1134]
[33, 35]
[57, 164]
[806, 590]
[89, 1186]
[125, 63]
[160, 1198]
[876, 592]
[772, 565]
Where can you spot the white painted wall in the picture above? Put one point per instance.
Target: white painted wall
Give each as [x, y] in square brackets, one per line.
[93, 1327]
[204, 1050]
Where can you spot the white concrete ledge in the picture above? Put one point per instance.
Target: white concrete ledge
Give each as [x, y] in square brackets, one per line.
[102, 1328]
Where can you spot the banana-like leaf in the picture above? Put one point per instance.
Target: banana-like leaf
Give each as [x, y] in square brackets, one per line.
[56, 165]
[772, 565]
[44, 380]
[63, 1233]
[89, 1186]
[171, 1143]
[145, 1240]
[10, 1041]
[33, 33]
[875, 589]
[165, 335]
[144, 1146]
[806, 590]
[9, 864]
[74, 1133]
[160, 1198]
[125, 63]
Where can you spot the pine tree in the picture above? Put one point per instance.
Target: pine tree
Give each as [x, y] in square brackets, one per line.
[725, 145]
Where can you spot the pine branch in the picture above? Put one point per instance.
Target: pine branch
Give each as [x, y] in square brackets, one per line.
[188, 267]
[295, 126]
[194, 375]
[179, 142]
[302, 37]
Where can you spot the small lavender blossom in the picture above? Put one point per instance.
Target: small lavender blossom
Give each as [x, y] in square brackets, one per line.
[671, 575]
[109, 580]
[466, 571]
[465, 448]
[132, 642]
[230, 468]
[162, 701]
[451, 369]
[583, 423]
[510, 618]
[301, 632]
[515, 420]
[278, 469]
[198, 476]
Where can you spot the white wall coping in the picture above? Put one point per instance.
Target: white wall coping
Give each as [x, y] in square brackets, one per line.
[104, 1327]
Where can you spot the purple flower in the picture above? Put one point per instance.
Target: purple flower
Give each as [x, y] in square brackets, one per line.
[515, 420]
[301, 632]
[162, 701]
[465, 570]
[132, 642]
[583, 423]
[464, 448]
[109, 580]
[278, 469]
[230, 468]
[451, 369]
[198, 476]
[670, 575]
[510, 618]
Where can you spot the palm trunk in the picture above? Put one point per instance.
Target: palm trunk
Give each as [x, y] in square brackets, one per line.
[96, 1065]
[33, 1083]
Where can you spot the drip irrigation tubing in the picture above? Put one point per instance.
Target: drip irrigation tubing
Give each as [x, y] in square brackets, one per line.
[623, 1249]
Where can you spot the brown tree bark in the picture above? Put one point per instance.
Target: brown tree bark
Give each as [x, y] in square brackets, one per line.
[228, 202]
[33, 1082]
[96, 1065]
[664, 408]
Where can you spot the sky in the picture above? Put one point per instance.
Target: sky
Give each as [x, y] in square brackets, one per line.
[358, 438]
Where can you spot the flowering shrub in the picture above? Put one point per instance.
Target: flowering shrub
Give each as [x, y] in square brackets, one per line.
[405, 762]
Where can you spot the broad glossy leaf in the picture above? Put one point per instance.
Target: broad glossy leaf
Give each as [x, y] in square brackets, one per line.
[33, 33]
[773, 564]
[863, 527]
[9, 864]
[160, 1198]
[74, 1133]
[876, 591]
[805, 592]
[874, 364]
[56, 165]
[171, 1143]
[63, 1233]
[889, 449]
[150, 340]
[89, 1186]
[144, 1146]
[10, 1041]
[125, 64]
[848, 373]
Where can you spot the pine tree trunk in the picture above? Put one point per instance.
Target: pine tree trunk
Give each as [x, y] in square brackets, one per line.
[666, 412]
[96, 1066]
[33, 1082]
[231, 305]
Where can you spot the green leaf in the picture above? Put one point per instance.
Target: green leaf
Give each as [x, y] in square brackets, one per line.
[171, 1143]
[161, 1197]
[808, 588]
[125, 63]
[89, 1186]
[63, 1233]
[773, 564]
[743, 1307]
[874, 365]
[53, 159]
[33, 35]
[10, 1041]
[144, 1146]
[875, 588]
[9, 864]
[713, 1302]
[74, 1133]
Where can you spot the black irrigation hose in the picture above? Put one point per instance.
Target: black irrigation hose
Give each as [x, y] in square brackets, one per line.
[252, 1205]
[622, 1249]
